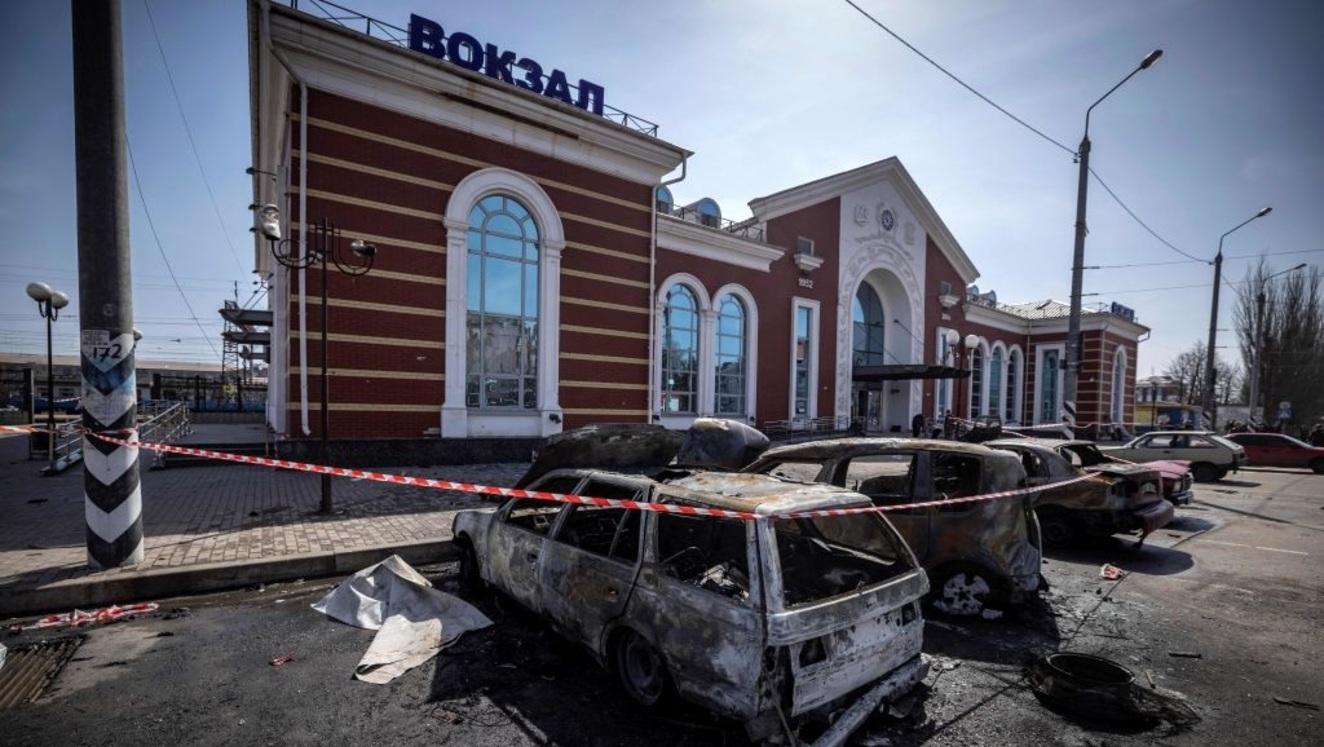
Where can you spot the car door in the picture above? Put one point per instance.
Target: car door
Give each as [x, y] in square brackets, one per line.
[515, 545]
[589, 565]
[1274, 451]
[890, 479]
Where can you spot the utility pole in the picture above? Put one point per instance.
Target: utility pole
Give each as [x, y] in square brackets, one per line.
[113, 497]
[1207, 399]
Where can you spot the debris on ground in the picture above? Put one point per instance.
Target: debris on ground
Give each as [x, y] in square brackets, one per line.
[1096, 689]
[176, 613]
[80, 618]
[991, 614]
[1296, 703]
[281, 661]
[1186, 654]
[1111, 572]
[413, 620]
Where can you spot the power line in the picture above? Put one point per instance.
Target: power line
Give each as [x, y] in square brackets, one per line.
[960, 82]
[142, 197]
[1143, 225]
[193, 146]
[1271, 254]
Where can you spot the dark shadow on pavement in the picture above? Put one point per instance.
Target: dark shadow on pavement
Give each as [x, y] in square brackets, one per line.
[1150, 560]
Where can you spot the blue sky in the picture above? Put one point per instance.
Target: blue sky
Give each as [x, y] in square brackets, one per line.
[768, 94]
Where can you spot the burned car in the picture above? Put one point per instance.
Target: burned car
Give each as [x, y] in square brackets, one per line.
[1087, 455]
[974, 552]
[1116, 497]
[777, 621]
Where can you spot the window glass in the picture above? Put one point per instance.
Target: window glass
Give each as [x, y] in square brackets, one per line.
[803, 350]
[1048, 388]
[1199, 442]
[943, 385]
[885, 478]
[826, 556]
[995, 383]
[1013, 371]
[502, 288]
[534, 515]
[731, 345]
[1162, 441]
[680, 351]
[707, 552]
[869, 327]
[795, 471]
[1035, 466]
[609, 532]
[955, 476]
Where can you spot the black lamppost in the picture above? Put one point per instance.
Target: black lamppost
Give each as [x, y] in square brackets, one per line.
[49, 303]
[323, 247]
[1207, 399]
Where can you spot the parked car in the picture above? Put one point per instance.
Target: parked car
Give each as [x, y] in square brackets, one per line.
[1278, 450]
[1115, 498]
[772, 621]
[1176, 473]
[975, 553]
[1211, 456]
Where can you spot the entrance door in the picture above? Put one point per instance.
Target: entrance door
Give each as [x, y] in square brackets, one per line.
[867, 407]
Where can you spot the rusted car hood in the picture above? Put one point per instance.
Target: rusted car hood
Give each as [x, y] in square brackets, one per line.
[1133, 473]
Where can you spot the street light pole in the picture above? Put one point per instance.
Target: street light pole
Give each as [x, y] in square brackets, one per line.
[1207, 400]
[1257, 345]
[49, 303]
[1072, 360]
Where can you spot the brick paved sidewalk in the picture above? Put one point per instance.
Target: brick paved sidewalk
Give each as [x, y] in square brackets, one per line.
[225, 514]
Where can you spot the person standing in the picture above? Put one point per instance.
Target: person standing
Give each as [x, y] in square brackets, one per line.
[917, 425]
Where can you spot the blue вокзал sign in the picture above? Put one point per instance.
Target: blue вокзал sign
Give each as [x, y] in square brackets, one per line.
[428, 37]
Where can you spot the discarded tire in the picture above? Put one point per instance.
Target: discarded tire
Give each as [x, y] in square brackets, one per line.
[1088, 686]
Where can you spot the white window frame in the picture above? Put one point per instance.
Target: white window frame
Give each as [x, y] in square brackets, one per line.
[1018, 393]
[815, 324]
[707, 329]
[998, 346]
[970, 382]
[946, 385]
[1039, 351]
[751, 347]
[1118, 413]
[457, 419]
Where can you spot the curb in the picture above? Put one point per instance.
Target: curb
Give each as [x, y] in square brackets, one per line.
[159, 583]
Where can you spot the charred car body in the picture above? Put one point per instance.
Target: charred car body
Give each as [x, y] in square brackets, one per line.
[1116, 497]
[974, 552]
[771, 620]
[1175, 473]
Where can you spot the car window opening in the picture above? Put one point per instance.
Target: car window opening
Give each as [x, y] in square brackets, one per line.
[709, 553]
[955, 476]
[825, 557]
[885, 478]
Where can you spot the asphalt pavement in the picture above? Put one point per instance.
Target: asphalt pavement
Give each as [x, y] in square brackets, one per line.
[1220, 611]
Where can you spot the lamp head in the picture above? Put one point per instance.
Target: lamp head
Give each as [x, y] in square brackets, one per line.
[137, 334]
[971, 342]
[362, 248]
[268, 217]
[59, 300]
[953, 338]
[1264, 212]
[39, 292]
[1150, 59]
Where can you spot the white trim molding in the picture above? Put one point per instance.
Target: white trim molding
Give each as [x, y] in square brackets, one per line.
[751, 344]
[457, 419]
[1039, 350]
[1018, 386]
[695, 240]
[703, 388]
[815, 341]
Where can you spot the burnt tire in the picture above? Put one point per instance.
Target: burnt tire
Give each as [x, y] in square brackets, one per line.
[471, 578]
[640, 668]
[1205, 472]
[1058, 530]
[961, 591]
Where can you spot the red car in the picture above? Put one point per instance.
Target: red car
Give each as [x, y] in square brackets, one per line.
[1279, 450]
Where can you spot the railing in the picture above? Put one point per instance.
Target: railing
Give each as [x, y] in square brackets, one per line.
[781, 430]
[163, 422]
[397, 36]
[745, 229]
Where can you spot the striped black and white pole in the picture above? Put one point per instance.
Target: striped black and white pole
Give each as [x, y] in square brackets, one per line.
[112, 496]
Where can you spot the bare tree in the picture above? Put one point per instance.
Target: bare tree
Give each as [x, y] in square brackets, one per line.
[1187, 369]
[1291, 335]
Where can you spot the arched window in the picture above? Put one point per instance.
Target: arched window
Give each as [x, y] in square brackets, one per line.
[867, 315]
[1013, 388]
[502, 299]
[665, 203]
[1119, 386]
[1048, 388]
[995, 383]
[680, 351]
[731, 356]
[976, 381]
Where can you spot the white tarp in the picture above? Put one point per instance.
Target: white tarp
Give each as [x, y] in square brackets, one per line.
[413, 620]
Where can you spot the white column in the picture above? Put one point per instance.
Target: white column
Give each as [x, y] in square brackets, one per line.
[549, 337]
[707, 362]
[454, 411]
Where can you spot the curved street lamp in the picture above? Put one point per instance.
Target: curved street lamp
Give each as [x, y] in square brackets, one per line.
[1207, 398]
[324, 247]
[49, 303]
[1072, 358]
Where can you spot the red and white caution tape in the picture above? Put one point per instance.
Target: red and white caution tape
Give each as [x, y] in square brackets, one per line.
[581, 500]
[79, 618]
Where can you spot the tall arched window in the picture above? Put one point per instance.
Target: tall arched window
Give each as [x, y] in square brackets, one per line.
[502, 298]
[1119, 385]
[680, 351]
[731, 355]
[995, 383]
[867, 315]
[976, 381]
[1048, 388]
[1013, 372]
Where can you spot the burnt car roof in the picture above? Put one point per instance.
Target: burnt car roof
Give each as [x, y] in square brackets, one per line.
[830, 446]
[758, 494]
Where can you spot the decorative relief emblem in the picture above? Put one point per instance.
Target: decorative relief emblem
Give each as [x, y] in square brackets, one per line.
[910, 233]
[886, 219]
[861, 215]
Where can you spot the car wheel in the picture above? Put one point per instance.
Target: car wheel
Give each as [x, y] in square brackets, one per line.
[1057, 529]
[1318, 466]
[1204, 472]
[962, 593]
[640, 668]
[470, 576]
